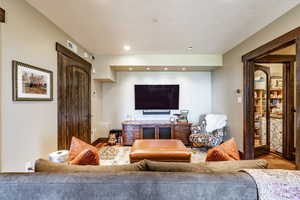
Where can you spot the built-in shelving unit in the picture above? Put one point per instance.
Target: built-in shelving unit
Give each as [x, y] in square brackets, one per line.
[276, 99]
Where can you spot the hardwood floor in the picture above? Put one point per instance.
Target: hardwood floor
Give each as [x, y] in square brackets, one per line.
[277, 162]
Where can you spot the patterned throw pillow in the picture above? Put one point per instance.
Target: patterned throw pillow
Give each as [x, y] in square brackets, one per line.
[81, 152]
[224, 152]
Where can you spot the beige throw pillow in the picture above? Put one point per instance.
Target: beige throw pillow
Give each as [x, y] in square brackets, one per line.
[42, 165]
[206, 167]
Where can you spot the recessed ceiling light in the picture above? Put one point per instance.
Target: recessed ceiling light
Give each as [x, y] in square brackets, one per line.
[130, 69]
[190, 48]
[148, 68]
[154, 20]
[126, 47]
[165, 68]
[184, 68]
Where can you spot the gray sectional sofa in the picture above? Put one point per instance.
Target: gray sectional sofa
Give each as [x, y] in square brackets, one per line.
[140, 181]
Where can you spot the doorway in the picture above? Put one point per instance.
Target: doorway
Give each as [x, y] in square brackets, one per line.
[249, 60]
[74, 99]
[262, 110]
[274, 106]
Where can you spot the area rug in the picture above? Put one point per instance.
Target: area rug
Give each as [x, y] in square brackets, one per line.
[276, 184]
[119, 155]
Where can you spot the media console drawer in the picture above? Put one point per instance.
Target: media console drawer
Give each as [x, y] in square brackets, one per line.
[133, 130]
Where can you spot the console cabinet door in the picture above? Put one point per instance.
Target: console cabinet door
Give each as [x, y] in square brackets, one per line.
[182, 132]
[130, 134]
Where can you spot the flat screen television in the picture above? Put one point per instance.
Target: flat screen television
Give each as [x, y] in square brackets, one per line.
[156, 97]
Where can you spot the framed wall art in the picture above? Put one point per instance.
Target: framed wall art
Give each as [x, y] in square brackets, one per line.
[31, 83]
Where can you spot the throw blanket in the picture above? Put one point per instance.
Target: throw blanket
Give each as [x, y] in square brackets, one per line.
[214, 122]
[276, 184]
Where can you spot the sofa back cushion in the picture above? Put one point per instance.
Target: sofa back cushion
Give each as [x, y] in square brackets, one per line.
[42, 165]
[207, 167]
[177, 167]
[237, 165]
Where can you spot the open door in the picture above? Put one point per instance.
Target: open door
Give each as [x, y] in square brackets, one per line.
[261, 110]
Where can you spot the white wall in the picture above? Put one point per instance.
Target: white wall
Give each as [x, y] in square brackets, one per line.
[230, 77]
[118, 98]
[1, 71]
[29, 129]
[103, 63]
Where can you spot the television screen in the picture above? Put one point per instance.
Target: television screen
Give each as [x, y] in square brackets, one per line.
[156, 97]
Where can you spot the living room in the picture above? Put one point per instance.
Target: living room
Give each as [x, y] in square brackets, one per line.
[124, 50]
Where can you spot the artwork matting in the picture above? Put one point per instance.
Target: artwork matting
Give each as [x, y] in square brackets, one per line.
[31, 83]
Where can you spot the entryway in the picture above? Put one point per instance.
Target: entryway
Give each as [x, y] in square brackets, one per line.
[277, 105]
[274, 106]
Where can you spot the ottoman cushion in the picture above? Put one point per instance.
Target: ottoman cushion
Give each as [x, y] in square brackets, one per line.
[159, 150]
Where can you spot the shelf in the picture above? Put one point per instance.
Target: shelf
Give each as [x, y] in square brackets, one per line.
[276, 89]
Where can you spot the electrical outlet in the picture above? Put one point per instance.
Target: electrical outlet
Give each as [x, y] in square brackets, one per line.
[240, 100]
[94, 131]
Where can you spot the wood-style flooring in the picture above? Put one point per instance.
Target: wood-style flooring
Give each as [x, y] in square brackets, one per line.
[277, 162]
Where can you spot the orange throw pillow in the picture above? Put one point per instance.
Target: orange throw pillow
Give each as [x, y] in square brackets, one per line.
[223, 152]
[86, 157]
[78, 146]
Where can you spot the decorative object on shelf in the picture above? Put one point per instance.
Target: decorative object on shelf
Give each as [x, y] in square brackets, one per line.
[182, 116]
[276, 82]
[172, 119]
[276, 97]
[31, 83]
[114, 137]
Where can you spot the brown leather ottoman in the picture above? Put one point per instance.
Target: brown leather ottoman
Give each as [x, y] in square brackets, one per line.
[159, 150]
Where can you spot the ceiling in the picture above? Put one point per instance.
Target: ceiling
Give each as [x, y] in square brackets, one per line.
[161, 26]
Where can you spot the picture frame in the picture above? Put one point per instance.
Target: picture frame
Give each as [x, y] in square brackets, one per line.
[31, 83]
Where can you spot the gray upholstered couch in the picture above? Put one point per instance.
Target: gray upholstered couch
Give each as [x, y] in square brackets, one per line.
[141, 181]
[127, 186]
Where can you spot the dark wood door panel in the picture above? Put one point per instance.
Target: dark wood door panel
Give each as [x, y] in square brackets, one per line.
[74, 101]
[2, 15]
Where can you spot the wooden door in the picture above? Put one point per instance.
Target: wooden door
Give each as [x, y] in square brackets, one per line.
[74, 99]
[261, 110]
[288, 111]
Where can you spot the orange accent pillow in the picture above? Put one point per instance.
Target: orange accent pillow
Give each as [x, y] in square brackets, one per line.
[86, 157]
[78, 146]
[223, 152]
[217, 155]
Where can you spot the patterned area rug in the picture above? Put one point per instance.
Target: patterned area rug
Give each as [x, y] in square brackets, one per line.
[119, 155]
[276, 184]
